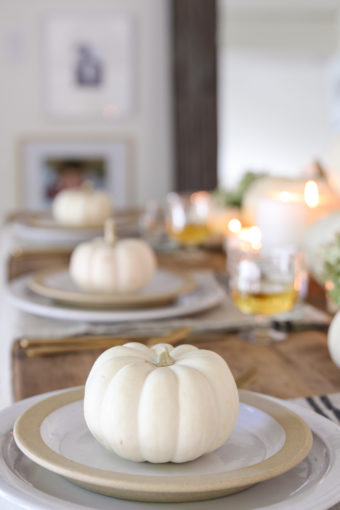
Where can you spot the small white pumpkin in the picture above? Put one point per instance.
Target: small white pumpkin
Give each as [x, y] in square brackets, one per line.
[160, 404]
[110, 265]
[82, 206]
[334, 339]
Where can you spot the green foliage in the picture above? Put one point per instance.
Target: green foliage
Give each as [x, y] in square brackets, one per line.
[331, 266]
[234, 198]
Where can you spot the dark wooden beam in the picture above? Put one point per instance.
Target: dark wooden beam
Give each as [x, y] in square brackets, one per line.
[195, 91]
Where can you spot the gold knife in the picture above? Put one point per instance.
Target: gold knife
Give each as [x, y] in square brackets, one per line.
[44, 347]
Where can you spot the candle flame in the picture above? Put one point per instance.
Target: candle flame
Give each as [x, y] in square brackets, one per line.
[251, 235]
[329, 285]
[234, 225]
[311, 194]
[285, 196]
[201, 202]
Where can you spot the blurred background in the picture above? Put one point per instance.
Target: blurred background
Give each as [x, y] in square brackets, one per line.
[163, 94]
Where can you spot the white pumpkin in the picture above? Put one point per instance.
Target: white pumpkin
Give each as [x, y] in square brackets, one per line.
[334, 339]
[110, 265]
[82, 206]
[160, 404]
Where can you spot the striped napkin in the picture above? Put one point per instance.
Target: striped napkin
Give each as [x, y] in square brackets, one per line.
[327, 406]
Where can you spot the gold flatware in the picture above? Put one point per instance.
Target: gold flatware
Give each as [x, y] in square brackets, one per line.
[26, 343]
[33, 352]
[45, 347]
[170, 338]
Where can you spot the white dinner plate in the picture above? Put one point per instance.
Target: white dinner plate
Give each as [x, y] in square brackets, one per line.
[164, 288]
[206, 295]
[311, 485]
[41, 228]
[267, 440]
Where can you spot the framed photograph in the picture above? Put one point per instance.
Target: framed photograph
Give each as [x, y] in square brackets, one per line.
[47, 166]
[89, 65]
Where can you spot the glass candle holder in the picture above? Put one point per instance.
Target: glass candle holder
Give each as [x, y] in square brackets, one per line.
[188, 217]
[264, 283]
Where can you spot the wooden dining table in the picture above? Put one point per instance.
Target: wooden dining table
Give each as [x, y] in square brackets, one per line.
[298, 366]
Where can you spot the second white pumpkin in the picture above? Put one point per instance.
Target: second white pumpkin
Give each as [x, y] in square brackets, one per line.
[121, 266]
[82, 206]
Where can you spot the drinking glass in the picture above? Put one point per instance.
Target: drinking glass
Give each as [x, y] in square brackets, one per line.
[153, 225]
[187, 217]
[264, 284]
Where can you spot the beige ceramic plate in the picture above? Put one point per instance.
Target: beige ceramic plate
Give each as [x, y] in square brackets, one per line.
[165, 287]
[267, 441]
[45, 220]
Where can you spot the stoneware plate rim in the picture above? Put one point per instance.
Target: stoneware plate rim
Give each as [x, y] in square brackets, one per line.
[163, 488]
[40, 285]
[45, 220]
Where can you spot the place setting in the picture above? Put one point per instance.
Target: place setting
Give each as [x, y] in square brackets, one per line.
[276, 451]
[163, 420]
[145, 292]
[174, 441]
[170, 256]
[74, 215]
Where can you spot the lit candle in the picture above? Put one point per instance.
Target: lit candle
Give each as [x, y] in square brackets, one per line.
[234, 225]
[220, 217]
[245, 239]
[320, 198]
[311, 194]
[282, 219]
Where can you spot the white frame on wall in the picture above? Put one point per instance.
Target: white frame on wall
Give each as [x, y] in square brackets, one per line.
[110, 37]
[33, 152]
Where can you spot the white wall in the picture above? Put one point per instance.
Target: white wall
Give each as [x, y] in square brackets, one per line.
[22, 81]
[273, 86]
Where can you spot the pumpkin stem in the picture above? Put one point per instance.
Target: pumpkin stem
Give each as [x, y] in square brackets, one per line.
[110, 231]
[162, 358]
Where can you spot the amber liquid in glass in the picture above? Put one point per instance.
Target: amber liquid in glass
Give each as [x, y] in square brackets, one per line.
[262, 303]
[191, 233]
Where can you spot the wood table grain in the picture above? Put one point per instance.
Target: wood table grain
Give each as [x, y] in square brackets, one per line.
[298, 366]
[295, 367]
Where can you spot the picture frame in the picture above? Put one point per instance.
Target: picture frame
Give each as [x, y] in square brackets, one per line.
[48, 164]
[89, 65]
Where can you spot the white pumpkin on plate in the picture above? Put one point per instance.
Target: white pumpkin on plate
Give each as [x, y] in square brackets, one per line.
[84, 206]
[111, 265]
[160, 404]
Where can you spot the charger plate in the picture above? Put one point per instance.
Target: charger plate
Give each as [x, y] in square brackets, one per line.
[208, 294]
[268, 440]
[45, 220]
[165, 287]
[40, 228]
[311, 485]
